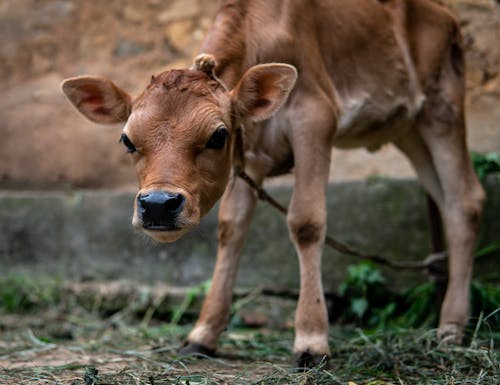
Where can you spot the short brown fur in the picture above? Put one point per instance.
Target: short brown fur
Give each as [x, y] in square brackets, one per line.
[370, 73]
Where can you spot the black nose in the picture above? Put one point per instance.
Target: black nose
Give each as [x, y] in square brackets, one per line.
[159, 209]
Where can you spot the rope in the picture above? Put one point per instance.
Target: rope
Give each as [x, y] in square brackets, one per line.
[430, 263]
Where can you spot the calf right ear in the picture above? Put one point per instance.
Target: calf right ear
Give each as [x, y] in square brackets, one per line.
[263, 89]
[98, 99]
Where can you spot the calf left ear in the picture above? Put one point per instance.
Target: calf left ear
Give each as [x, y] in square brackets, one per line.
[98, 99]
[262, 90]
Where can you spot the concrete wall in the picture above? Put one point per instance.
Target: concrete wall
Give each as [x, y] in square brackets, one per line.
[82, 235]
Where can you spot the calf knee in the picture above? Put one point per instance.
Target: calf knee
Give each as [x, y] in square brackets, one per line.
[478, 199]
[306, 232]
[231, 229]
[472, 205]
[225, 231]
[477, 204]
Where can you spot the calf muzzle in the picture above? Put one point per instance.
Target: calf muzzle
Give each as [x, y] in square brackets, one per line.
[159, 210]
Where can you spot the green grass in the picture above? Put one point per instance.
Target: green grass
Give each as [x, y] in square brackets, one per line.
[56, 341]
[21, 294]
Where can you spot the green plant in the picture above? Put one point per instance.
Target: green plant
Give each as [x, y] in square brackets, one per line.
[488, 249]
[485, 163]
[20, 294]
[191, 295]
[368, 299]
[419, 307]
[368, 302]
[485, 300]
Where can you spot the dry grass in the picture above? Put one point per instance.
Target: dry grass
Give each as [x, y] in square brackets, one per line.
[48, 337]
[58, 348]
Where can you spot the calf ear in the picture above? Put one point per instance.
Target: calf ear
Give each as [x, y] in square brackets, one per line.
[262, 90]
[98, 99]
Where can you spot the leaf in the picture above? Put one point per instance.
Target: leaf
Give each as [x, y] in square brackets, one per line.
[359, 306]
[374, 276]
[488, 249]
[486, 163]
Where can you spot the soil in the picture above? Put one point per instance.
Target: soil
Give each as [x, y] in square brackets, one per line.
[46, 144]
[122, 350]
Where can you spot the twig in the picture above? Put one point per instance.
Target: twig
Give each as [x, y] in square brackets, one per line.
[427, 263]
[37, 341]
[473, 342]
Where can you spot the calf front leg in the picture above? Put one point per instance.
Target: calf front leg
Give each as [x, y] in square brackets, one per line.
[307, 226]
[235, 213]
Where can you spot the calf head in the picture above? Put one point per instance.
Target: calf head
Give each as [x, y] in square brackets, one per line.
[181, 133]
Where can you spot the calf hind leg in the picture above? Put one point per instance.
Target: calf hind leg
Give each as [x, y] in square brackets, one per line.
[438, 152]
[461, 210]
[443, 130]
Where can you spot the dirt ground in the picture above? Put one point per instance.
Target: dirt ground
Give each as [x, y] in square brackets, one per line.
[46, 144]
[60, 333]
[78, 348]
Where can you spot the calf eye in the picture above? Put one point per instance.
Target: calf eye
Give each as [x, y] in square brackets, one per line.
[126, 141]
[218, 139]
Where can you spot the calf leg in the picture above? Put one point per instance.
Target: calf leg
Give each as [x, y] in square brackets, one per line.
[307, 226]
[438, 152]
[414, 147]
[461, 210]
[235, 214]
[442, 126]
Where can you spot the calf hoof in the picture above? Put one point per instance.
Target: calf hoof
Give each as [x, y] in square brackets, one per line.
[450, 334]
[307, 360]
[195, 349]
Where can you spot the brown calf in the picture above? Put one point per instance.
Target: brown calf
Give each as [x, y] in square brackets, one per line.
[369, 73]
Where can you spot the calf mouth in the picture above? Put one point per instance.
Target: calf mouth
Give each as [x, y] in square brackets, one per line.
[164, 232]
[165, 236]
[161, 227]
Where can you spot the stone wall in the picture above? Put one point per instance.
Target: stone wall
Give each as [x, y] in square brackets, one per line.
[83, 236]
